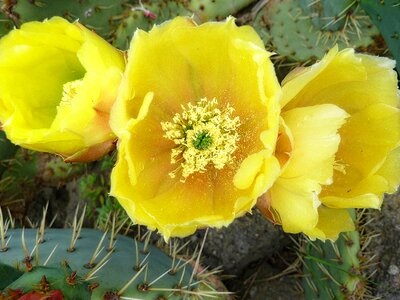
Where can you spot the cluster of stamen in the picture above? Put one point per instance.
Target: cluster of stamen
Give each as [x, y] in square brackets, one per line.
[70, 90]
[203, 135]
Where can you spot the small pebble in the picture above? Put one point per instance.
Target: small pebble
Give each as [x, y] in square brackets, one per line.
[393, 270]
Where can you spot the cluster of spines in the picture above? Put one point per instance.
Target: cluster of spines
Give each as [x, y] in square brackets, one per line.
[301, 34]
[385, 15]
[340, 269]
[191, 281]
[118, 20]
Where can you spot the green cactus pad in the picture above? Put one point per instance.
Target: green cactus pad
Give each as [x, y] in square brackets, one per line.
[327, 14]
[135, 18]
[332, 269]
[8, 275]
[57, 279]
[287, 29]
[386, 16]
[150, 270]
[95, 14]
[206, 10]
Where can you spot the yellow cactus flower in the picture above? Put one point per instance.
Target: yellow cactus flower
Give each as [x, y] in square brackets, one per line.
[338, 145]
[197, 118]
[58, 82]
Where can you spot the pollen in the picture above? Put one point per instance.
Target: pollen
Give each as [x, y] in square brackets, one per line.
[70, 90]
[204, 135]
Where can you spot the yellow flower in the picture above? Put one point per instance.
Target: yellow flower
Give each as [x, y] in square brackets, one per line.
[197, 119]
[57, 83]
[338, 144]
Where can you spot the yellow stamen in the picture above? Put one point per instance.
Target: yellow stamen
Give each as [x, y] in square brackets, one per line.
[70, 90]
[203, 135]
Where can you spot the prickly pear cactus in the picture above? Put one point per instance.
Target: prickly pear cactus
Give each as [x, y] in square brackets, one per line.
[386, 16]
[327, 14]
[145, 16]
[206, 10]
[332, 269]
[89, 264]
[302, 31]
[95, 14]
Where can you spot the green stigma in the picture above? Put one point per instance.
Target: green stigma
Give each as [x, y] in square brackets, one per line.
[202, 141]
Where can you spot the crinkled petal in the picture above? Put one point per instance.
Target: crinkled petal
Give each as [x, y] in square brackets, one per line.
[331, 223]
[314, 130]
[36, 63]
[367, 139]
[348, 80]
[202, 63]
[296, 203]
[390, 170]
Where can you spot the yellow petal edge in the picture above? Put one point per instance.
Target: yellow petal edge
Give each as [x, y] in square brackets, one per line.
[361, 149]
[58, 82]
[173, 65]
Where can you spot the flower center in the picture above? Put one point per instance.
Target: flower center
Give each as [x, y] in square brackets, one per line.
[203, 135]
[70, 90]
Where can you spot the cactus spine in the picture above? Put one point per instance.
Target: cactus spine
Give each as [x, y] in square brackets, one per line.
[385, 15]
[302, 31]
[332, 270]
[85, 264]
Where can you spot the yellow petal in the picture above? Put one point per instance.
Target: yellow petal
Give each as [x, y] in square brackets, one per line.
[367, 138]
[390, 170]
[315, 141]
[348, 80]
[57, 83]
[175, 64]
[296, 203]
[331, 223]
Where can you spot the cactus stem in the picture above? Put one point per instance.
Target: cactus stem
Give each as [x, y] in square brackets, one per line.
[124, 288]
